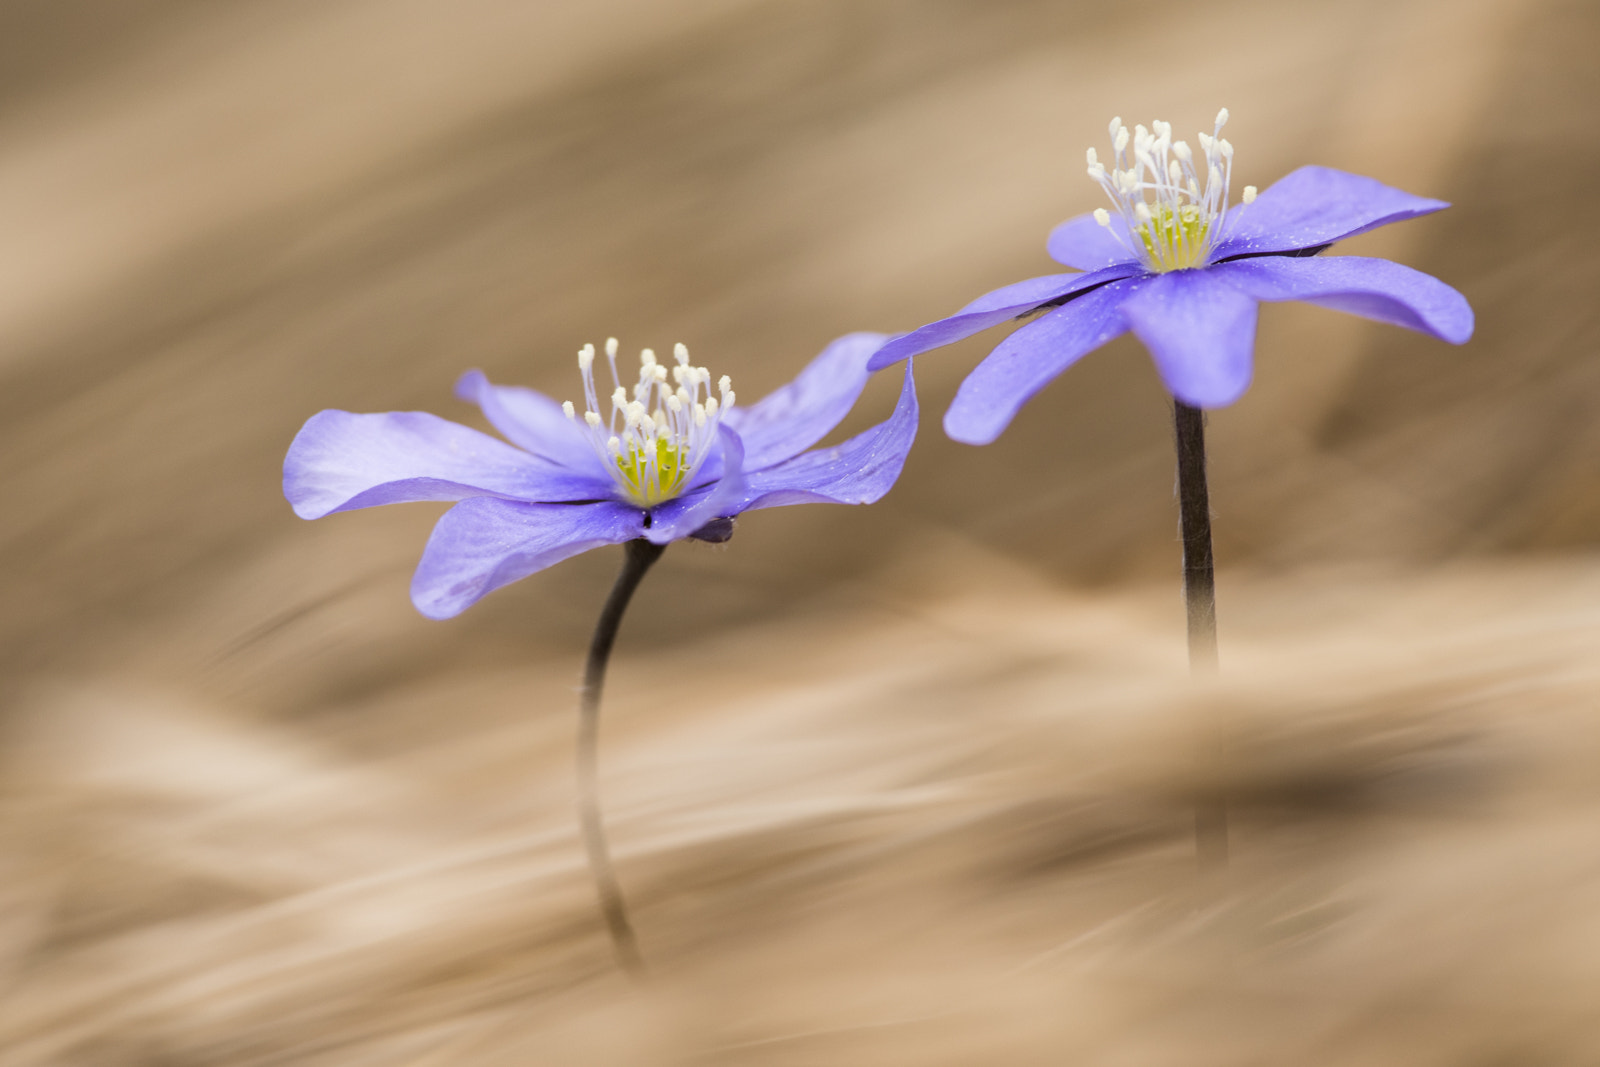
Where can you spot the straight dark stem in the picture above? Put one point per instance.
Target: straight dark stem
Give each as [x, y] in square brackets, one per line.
[638, 557]
[1200, 599]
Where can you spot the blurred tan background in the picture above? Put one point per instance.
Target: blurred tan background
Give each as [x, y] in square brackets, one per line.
[895, 785]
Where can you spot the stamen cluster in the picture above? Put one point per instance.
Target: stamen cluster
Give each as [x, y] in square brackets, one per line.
[1156, 188]
[654, 441]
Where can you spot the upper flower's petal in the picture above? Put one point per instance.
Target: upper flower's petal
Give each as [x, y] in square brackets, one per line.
[1083, 243]
[484, 543]
[1201, 332]
[1371, 288]
[340, 461]
[992, 309]
[682, 516]
[1316, 206]
[859, 471]
[1026, 361]
[791, 419]
[530, 420]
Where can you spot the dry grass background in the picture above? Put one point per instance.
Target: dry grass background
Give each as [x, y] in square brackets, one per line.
[897, 785]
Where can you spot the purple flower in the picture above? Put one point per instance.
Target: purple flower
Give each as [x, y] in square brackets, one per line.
[670, 461]
[1185, 274]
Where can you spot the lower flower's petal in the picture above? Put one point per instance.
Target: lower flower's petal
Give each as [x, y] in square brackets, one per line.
[791, 419]
[1316, 206]
[859, 471]
[1029, 359]
[1372, 288]
[682, 516]
[483, 543]
[1200, 330]
[1083, 243]
[530, 420]
[340, 461]
[992, 309]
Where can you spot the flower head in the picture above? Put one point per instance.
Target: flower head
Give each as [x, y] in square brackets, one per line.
[667, 461]
[1185, 271]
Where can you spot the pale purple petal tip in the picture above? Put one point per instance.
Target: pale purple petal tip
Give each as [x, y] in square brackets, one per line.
[1316, 206]
[859, 471]
[1372, 288]
[340, 461]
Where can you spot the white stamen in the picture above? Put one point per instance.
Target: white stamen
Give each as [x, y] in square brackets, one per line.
[661, 434]
[1173, 222]
[1249, 194]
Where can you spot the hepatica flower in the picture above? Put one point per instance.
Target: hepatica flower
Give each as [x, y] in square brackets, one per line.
[666, 457]
[1174, 263]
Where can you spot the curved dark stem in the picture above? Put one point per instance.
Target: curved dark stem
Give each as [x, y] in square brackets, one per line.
[638, 558]
[1200, 598]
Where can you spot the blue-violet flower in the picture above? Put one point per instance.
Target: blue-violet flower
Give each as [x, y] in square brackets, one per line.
[670, 460]
[1185, 273]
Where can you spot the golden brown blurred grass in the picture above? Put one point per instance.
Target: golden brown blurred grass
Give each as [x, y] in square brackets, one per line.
[897, 785]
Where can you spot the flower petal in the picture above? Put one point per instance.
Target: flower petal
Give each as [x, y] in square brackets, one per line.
[1372, 288]
[340, 461]
[1083, 243]
[682, 516]
[992, 309]
[483, 543]
[1029, 359]
[790, 420]
[1316, 206]
[859, 471]
[530, 420]
[1200, 330]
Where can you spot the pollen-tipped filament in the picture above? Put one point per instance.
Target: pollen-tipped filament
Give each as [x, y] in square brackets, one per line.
[656, 437]
[1174, 211]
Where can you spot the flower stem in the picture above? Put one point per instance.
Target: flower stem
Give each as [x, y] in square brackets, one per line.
[1200, 598]
[639, 556]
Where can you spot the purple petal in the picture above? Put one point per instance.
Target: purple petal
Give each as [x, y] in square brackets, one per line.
[1029, 359]
[859, 471]
[340, 461]
[790, 420]
[1316, 206]
[992, 309]
[682, 516]
[1201, 332]
[483, 543]
[1083, 243]
[1371, 288]
[530, 420]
